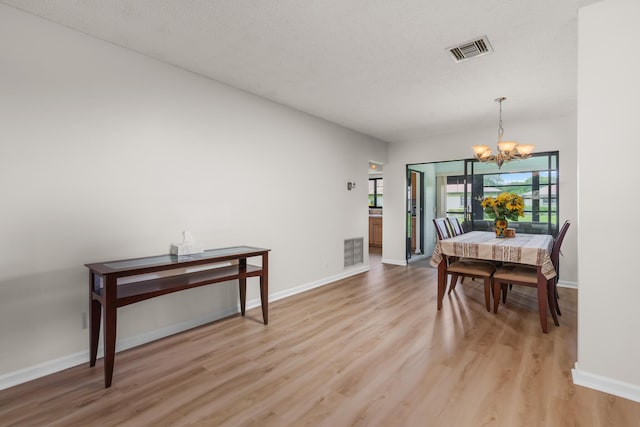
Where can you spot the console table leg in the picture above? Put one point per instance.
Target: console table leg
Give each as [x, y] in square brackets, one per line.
[264, 288]
[109, 344]
[109, 311]
[94, 321]
[94, 330]
[264, 299]
[242, 284]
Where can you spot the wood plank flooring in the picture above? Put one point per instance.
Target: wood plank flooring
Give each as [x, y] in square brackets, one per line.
[370, 350]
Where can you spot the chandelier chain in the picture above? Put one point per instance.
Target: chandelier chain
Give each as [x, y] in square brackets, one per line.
[500, 128]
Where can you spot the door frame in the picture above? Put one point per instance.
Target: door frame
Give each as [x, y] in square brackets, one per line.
[414, 207]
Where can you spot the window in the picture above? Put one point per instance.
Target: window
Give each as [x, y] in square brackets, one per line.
[538, 186]
[538, 189]
[375, 192]
[455, 196]
[535, 179]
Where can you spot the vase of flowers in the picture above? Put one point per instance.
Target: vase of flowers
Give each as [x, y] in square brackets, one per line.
[500, 226]
[504, 207]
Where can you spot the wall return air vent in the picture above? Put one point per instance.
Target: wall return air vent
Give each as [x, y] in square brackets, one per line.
[470, 49]
[353, 251]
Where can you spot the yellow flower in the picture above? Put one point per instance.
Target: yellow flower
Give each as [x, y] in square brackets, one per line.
[489, 201]
[505, 205]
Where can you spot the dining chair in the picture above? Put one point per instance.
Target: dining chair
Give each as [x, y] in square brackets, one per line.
[444, 232]
[555, 259]
[518, 274]
[442, 228]
[463, 267]
[475, 269]
[455, 225]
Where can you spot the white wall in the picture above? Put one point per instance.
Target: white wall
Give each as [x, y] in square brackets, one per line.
[608, 138]
[106, 154]
[548, 135]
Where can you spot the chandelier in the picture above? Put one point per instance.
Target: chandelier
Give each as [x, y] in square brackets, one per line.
[507, 150]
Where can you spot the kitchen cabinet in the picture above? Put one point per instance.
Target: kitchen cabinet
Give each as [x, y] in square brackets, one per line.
[375, 231]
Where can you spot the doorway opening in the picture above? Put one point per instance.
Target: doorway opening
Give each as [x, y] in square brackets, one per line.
[415, 214]
[376, 201]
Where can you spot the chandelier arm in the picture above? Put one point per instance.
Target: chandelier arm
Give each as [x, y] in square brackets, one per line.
[491, 158]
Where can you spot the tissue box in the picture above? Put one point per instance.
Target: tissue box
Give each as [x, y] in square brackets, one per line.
[186, 248]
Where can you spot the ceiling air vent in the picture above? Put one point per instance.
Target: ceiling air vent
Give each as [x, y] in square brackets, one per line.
[471, 49]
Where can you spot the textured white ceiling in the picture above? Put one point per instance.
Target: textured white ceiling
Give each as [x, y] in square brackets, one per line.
[376, 66]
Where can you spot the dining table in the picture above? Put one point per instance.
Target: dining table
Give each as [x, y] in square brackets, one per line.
[528, 249]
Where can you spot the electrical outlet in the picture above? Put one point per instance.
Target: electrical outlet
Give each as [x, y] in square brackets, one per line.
[84, 320]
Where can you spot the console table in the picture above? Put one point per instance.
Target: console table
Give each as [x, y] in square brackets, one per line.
[106, 295]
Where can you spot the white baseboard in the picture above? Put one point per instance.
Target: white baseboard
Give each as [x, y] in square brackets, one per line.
[32, 372]
[418, 257]
[604, 384]
[306, 287]
[565, 284]
[402, 262]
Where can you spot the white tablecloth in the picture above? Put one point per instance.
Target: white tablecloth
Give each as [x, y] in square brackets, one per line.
[531, 249]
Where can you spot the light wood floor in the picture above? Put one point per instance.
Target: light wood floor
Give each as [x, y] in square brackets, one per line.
[370, 350]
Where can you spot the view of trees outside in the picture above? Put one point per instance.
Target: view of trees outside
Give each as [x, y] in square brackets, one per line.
[533, 186]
